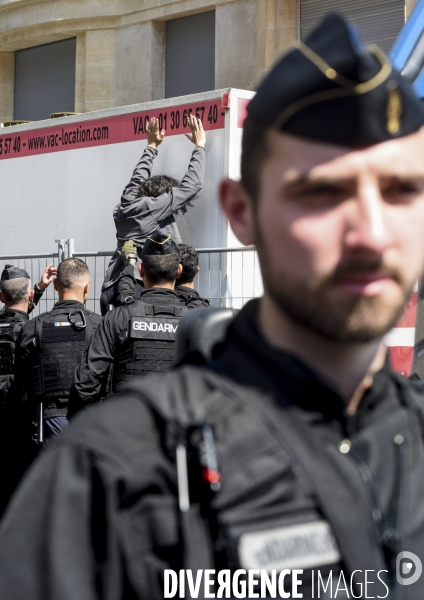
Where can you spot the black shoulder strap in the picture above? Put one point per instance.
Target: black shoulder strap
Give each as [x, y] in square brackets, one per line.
[38, 334]
[11, 319]
[6, 325]
[153, 310]
[143, 309]
[89, 329]
[136, 309]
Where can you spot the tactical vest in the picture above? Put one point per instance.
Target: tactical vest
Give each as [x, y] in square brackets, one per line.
[9, 331]
[152, 331]
[60, 345]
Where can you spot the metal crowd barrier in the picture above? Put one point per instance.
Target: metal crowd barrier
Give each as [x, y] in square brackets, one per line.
[228, 276]
[35, 264]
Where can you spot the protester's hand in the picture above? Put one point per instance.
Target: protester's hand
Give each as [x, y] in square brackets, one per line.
[47, 277]
[129, 250]
[154, 135]
[198, 136]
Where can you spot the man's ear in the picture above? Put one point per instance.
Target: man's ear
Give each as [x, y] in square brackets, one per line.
[30, 295]
[238, 208]
[1, 298]
[55, 284]
[141, 269]
[179, 271]
[86, 289]
[198, 270]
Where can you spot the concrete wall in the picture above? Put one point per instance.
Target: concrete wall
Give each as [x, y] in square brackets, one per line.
[140, 54]
[7, 72]
[276, 31]
[409, 5]
[236, 47]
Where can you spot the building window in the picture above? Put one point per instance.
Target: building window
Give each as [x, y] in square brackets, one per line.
[378, 21]
[45, 80]
[190, 55]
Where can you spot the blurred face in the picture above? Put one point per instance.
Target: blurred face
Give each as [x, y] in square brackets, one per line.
[340, 233]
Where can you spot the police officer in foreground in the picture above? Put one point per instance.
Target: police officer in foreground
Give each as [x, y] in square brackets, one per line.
[138, 338]
[185, 288]
[319, 446]
[49, 348]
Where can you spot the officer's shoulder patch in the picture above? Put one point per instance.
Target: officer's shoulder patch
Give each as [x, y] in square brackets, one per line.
[301, 546]
[55, 332]
[155, 328]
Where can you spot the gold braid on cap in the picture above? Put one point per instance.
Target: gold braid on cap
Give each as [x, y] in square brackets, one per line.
[160, 243]
[347, 86]
[394, 108]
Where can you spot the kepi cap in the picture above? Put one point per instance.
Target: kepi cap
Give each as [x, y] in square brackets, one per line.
[12, 272]
[160, 244]
[332, 88]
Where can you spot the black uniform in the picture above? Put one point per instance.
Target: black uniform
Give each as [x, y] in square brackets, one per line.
[47, 351]
[133, 340]
[11, 323]
[279, 430]
[191, 297]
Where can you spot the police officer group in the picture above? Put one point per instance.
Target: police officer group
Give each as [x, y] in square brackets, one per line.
[283, 441]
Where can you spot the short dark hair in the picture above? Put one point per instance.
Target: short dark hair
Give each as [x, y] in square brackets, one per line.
[254, 150]
[70, 272]
[189, 259]
[161, 269]
[15, 291]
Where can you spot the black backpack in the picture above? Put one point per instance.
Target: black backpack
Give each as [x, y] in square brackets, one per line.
[9, 331]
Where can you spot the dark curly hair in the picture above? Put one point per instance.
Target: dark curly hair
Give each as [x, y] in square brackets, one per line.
[156, 186]
[189, 259]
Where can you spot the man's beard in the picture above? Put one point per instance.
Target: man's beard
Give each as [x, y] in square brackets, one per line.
[337, 317]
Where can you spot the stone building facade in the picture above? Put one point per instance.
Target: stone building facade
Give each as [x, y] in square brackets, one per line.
[120, 43]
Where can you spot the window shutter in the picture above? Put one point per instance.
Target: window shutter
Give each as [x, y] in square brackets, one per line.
[45, 80]
[190, 55]
[378, 21]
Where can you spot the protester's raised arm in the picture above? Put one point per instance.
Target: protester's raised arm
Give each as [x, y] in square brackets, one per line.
[192, 181]
[144, 167]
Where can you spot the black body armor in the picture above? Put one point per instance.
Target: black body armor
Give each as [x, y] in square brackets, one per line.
[60, 340]
[152, 331]
[10, 326]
